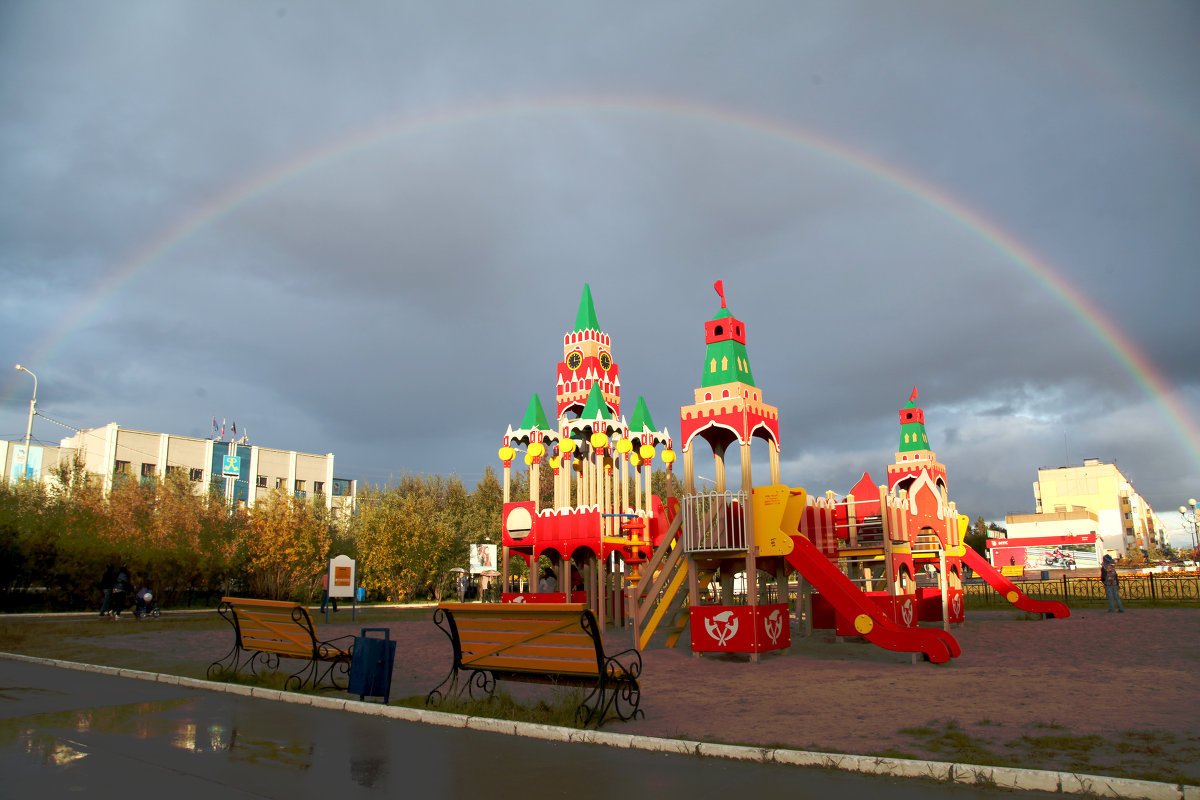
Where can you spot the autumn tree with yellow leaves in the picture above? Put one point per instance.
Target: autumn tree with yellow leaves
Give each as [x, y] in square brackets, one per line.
[286, 542]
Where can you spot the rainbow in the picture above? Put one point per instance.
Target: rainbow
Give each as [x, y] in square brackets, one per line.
[1139, 367]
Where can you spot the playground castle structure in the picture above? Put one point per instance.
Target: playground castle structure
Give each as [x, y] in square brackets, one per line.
[874, 564]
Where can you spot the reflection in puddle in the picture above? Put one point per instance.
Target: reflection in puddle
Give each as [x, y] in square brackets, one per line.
[53, 739]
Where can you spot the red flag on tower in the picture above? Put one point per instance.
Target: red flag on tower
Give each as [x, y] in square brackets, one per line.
[914, 395]
[720, 287]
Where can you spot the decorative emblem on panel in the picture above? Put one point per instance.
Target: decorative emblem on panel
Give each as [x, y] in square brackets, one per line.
[906, 612]
[773, 624]
[957, 604]
[721, 627]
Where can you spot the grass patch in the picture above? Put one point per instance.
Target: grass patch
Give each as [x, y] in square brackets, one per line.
[559, 710]
[947, 741]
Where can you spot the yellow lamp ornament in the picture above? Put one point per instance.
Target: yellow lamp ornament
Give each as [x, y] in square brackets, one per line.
[555, 462]
[624, 446]
[599, 440]
[668, 456]
[507, 453]
[646, 451]
[528, 459]
[566, 446]
[635, 459]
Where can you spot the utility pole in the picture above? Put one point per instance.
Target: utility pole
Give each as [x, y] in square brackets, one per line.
[32, 411]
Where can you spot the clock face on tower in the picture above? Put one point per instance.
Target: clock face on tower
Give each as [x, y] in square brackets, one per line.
[574, 359]
[605, 361]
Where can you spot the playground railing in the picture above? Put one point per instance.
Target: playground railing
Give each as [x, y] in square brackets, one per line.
[1150, 588]
[714, 522]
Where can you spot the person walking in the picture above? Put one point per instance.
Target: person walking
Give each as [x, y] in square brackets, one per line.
[325, 598]
[1112, 585]
[121, 587]
[106, 583]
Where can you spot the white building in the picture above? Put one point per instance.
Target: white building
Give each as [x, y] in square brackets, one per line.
[1094, 498]
[240, 472]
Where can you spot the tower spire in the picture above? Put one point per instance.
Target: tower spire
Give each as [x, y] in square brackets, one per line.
[585, 318]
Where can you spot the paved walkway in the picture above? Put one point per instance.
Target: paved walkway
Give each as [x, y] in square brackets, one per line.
[163, 735]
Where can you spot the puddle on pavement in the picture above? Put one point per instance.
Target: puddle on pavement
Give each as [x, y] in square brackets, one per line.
[59, 738]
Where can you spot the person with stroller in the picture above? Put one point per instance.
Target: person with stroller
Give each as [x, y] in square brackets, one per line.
[143, 603]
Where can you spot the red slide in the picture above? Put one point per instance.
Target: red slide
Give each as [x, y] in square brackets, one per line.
[935, 644]
[1009, 591]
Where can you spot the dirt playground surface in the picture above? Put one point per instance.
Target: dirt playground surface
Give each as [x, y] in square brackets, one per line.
[1097, 692]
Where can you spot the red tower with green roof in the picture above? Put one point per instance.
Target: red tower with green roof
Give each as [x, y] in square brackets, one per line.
[729, 407]
[915, 462]
[587, 361]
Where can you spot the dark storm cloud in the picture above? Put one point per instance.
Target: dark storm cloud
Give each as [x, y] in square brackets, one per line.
[397, 301]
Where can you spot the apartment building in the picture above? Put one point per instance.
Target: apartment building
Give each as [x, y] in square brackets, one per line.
[1093, 498]
[240, 472]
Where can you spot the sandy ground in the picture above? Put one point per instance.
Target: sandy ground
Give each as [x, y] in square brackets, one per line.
[1117, 690]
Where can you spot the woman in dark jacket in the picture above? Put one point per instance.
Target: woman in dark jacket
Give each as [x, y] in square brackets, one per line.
[121, 587]
[106, 584]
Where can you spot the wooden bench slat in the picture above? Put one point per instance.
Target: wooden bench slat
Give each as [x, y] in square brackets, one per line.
[515, 638]
[534, 665]
[534, 650]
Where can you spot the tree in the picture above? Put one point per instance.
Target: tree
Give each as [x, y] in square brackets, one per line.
[286, 541]
[976, 537]
[409, 535]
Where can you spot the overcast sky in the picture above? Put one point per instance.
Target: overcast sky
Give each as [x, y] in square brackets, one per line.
[363, 228]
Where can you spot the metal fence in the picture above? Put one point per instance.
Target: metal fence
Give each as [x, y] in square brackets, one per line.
[714, 522]
[1082, 592]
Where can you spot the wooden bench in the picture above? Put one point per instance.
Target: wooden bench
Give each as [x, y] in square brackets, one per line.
[267, 630]
[554, 643]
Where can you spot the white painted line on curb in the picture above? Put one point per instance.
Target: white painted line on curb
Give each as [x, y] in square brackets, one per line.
[1001, 777]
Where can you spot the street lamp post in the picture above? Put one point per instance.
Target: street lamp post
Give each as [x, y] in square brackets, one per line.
[32, 410]
[1188, 513]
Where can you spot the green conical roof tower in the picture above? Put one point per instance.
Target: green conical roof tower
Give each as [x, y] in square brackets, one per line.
[912, 426]
[641, 418]
[725, 357]
[596, 408]
[585, 318]
[535, 416]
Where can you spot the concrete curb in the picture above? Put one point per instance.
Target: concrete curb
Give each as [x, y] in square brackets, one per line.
[999, 777]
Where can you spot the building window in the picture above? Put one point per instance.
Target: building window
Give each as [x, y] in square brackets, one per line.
[299, 485]
[173, 470]
[148, 470]
[318, 487]
[281, 483]
[262, 482]
[196, 474]
[121, 468]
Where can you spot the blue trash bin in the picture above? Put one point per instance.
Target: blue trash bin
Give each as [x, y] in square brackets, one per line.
[361, 593]
[371, 665]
